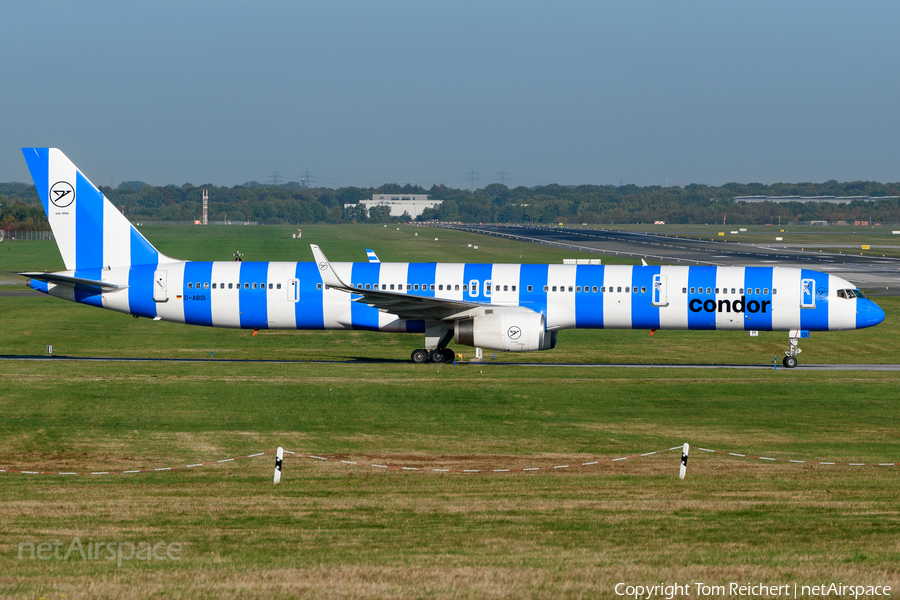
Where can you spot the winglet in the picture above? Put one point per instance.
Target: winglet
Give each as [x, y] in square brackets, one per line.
[644, 262]
[329, 277]
[373, 258]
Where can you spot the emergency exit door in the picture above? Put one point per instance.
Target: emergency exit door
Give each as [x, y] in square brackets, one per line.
[160, 287]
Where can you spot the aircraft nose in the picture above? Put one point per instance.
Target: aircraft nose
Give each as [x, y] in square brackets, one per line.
[871, 313]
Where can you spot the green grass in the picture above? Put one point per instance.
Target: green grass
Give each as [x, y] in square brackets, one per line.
[335, 530]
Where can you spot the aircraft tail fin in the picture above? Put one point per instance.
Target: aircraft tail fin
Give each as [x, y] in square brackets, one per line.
[90, 232]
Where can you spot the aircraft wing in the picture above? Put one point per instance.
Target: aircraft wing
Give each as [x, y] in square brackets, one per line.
[78, 282]
[405, 306]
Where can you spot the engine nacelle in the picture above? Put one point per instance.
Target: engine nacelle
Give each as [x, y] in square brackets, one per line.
[518, 330]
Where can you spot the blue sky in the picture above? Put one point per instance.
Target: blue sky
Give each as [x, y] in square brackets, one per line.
[364, 93]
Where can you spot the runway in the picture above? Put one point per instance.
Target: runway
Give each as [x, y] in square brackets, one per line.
[869, 272]
[800, 367]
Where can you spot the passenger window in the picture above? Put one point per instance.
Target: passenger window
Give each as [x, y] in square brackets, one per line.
[392, 286]
[416, 287]
[229, 285]
[765, 291]
[603, 289]
[619, 289]
[594, 289]
[717, 290]
[530, 288]
[513, 288]
[505, 288]
[545, 288]
[214, 286]
[278, 286]
[577, 288]
[246, 286]
[271, 286]
[732, 290]
[757, 291]
[774, 291]
[190, 285]
[692, 290]
[456, 288]
[570, 288]
[408, 287]
[627, 290]
[554, 288]
[465, 287]
[432, 287]
[643, 289]
[684, 290]
[742, 290]
[254, 285]
[709, 290]
[318, 286]
[441, 287]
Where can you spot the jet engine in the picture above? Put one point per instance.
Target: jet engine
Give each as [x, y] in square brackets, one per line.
[516, 330]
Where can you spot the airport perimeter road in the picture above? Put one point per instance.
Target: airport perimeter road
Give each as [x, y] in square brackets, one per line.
[866, 271]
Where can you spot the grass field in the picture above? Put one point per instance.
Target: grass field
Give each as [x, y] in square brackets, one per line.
[333, 530]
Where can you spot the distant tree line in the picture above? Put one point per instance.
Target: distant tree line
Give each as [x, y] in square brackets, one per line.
[293, 204]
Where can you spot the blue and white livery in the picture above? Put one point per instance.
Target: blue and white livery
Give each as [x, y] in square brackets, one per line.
[500, 307]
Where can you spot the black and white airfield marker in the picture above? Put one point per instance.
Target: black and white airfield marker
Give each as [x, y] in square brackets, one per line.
[279, 457]
[684, 457]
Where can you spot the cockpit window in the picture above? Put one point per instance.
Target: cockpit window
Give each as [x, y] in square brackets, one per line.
[850, 294]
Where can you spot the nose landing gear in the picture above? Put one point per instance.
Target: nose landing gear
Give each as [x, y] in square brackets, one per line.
[790, 359]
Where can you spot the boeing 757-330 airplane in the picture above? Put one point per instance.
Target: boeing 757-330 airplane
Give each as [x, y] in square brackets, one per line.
[500, 307]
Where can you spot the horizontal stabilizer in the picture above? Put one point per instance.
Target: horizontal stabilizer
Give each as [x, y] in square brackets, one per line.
[78, 282]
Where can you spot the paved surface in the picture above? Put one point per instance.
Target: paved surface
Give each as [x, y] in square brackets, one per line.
[868, 272]
[801, 367]
[22, 294]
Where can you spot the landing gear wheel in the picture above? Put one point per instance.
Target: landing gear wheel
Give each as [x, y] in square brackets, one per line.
[437, 355]
[789, 361]
[419, 356]
[449, 355]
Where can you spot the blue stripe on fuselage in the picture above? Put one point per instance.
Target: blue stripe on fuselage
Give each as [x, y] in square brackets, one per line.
[89, 295]
[589, 304]
[140, 291]
[254, 311]
[364, 316]
[308, 310]
[758, 308]
[816, 319]
[643, 314]
[88, 224]
[535, 276]
[422, 274]
[701, 279]
[197, 301]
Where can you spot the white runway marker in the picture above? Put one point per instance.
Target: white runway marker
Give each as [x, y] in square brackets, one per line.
[684, 456]
[279, 457]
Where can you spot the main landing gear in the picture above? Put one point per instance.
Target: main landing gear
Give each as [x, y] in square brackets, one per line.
[438, 355]
[790, 360]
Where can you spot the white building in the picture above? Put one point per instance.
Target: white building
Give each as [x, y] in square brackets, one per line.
[413, 204]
